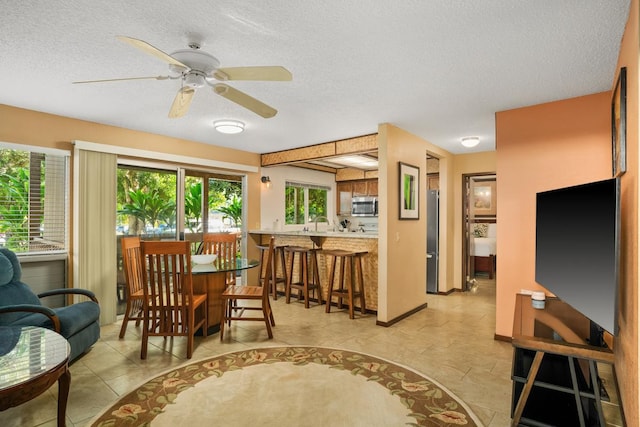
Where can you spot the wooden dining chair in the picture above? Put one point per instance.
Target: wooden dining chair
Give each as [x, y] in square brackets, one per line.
[232, 297]
[171, 308]
[132, 266]
[226, 247]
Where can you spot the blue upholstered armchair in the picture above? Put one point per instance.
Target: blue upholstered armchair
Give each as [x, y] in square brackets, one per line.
[19, 306]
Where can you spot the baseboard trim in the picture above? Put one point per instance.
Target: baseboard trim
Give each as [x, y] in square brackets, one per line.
[502, 338]
[404, 316]
[345, 306]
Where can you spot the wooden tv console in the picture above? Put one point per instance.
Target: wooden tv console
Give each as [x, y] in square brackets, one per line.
[558, 378]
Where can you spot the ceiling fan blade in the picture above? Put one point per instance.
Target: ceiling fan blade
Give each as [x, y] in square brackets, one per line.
[123, 79]
[146, 47]
[181, 102]
[270, 73]
[244, 100]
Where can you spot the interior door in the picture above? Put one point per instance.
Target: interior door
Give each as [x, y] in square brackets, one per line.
[479, 205]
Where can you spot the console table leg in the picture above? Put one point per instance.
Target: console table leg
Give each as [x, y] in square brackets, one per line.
[64, 383]
[537, 360]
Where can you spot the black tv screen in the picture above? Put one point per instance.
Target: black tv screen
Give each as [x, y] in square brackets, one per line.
[577, 248]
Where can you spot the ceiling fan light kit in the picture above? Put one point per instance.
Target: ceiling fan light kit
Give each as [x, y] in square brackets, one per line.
[228, 126]
[197, 69]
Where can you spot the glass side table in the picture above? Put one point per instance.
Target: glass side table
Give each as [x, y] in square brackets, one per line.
[32, 359]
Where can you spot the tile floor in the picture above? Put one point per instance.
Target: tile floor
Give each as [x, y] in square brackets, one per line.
[450, 341]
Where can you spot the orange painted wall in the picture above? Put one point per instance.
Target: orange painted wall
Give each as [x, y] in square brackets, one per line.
[626, 345]
[540, 148]
[560, 144]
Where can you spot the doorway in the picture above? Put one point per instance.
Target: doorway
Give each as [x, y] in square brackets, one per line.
[480, 229]
[433, 224]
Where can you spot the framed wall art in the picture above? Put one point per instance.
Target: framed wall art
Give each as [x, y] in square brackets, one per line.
[483, 198]
[409, 191]
[619, 124]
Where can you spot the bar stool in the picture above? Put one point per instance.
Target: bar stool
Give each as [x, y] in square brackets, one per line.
[308, 276]
[278, 255]
[346, 287]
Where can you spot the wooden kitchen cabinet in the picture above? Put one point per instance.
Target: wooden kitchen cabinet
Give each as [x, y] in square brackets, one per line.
[359, 188]
[348, 189]
[433, 181]
[343, 202]
[372, 187]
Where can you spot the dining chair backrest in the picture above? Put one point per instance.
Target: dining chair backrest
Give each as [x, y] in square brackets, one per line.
[233, 296]
[132, 267]
[168, 272]
[170, 301]
[225, 246]
[132, 263]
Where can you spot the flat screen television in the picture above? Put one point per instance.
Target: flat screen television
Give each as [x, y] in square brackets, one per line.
[577, 249]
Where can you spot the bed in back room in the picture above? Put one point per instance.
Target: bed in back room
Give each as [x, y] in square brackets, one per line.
[483, 248]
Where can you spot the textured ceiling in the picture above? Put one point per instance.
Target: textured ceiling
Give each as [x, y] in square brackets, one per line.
[439, 68]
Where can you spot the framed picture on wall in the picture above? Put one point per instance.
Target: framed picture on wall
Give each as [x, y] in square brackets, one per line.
[409, 191]
[619, 124]
[483, 197]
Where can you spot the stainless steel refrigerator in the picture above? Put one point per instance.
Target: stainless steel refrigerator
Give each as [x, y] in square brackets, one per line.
[433, 197]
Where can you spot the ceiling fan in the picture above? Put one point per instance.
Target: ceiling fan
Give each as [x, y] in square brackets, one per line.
[196, 69]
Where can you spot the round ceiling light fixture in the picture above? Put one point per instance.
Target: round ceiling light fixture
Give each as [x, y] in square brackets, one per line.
[228, 126]
[470, 141]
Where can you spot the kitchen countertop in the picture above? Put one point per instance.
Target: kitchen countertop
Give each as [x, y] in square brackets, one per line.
[320, 233]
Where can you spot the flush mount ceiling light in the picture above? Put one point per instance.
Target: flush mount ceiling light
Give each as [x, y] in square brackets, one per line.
[470, 141]
[228, 126]
[357, 161]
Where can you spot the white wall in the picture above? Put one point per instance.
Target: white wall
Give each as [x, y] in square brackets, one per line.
[272, 199]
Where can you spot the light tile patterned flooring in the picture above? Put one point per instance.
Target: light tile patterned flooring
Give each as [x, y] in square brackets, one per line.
[451, 341]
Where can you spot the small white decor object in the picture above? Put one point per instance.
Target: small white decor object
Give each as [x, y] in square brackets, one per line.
[203, 258]
[537, 300]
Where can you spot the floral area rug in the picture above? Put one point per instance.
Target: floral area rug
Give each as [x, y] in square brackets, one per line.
[290, 386]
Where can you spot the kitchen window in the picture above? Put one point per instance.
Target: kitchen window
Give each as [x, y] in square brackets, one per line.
[304, 202]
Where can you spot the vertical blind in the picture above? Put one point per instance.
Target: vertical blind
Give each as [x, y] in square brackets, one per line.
[94, 252]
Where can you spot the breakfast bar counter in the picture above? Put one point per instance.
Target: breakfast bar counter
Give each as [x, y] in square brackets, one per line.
[349, 241]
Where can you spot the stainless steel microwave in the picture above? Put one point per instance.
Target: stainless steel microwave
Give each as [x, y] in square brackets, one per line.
[364, 206]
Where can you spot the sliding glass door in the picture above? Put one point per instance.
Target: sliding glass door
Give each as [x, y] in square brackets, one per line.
[168, 203]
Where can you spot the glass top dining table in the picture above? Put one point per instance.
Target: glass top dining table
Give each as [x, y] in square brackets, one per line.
[222, 266]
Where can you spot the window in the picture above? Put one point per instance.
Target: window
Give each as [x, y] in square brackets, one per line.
[223, 210]
[33, 199]
[304, 202]
[146, 202]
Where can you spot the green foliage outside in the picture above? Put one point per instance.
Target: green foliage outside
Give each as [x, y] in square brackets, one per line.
[14, 198]
[193, 205]
[147, 201]
[233, 210]
[317, 203]
[14, 209]
[150, 209]
[295, 204]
